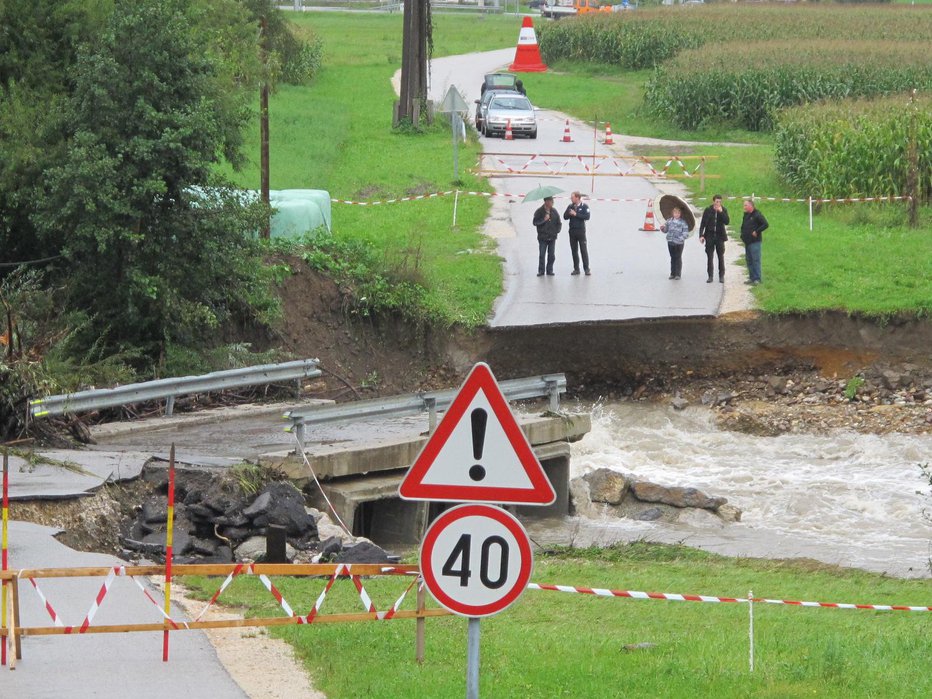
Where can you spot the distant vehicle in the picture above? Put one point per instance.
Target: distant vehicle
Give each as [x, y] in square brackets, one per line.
[556, 9]
[498, 81]
[505, 107]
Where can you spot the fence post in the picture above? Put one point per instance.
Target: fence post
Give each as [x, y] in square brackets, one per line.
[810, 212]
[751, 628]
[3, 554]
[419, 625]
[702, 174]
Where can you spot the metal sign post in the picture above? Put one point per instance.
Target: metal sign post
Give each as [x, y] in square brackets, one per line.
[454, 105]
[472, 659]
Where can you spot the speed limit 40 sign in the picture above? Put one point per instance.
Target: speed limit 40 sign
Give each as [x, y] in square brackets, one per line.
[476, 560]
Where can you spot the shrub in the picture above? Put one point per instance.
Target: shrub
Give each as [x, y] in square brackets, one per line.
[745, 85]
[854, 147]
[647, 38]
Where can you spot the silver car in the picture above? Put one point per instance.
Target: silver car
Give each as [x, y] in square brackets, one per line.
[509, 106]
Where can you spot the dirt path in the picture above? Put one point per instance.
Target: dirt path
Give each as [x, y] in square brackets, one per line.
[264, 667]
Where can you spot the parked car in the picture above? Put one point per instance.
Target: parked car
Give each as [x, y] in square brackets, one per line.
[505, 107]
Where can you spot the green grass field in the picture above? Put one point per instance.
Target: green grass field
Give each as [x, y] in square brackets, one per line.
[551, 644]
[336, 134]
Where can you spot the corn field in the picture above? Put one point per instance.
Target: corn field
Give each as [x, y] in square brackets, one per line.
[745, 85]
[647, 38]
[857, 147]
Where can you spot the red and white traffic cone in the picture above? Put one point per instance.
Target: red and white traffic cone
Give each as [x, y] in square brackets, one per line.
[608, 134]
[566, 133]
[649, 218]
[508, 135]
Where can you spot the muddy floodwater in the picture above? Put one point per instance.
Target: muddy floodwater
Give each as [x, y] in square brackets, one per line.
[842, 498]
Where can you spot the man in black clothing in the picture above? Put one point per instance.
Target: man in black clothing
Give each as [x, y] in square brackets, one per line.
[547, 222]
[712, 233]
[577, 214]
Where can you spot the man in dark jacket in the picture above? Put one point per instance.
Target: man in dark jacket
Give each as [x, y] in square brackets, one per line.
[548, 226]
[712, 233]
[752, 234]
[577, 214]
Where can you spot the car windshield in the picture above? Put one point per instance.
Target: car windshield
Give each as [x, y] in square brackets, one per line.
[516, 103]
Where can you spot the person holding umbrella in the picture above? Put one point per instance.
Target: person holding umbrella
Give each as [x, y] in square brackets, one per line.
[680, 221]
[547, 222]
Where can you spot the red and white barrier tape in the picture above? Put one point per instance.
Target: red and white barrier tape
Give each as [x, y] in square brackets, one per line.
[48, 606]
[223, 586]
[785, 200]
[95, 605]
[633, 594]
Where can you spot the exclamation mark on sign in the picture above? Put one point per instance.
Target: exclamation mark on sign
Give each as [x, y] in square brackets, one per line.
[479, 418]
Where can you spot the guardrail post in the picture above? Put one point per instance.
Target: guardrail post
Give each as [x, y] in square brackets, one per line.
[299, 432]
[169, 406]
[553, 390]
[431, 404]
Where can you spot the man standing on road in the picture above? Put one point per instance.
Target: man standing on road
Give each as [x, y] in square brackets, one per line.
[752, 234]
[548, 226]
[577, 214]
[712, 233]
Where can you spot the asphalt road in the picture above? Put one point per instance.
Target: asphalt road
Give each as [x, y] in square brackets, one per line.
[629, 267]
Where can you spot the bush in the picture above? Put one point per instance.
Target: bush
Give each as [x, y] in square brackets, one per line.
[647, 38]
[854, 147]
[745, 85]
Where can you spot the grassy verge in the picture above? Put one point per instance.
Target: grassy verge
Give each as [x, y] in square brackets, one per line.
[336, 135]
[861, 258]
[562, 645]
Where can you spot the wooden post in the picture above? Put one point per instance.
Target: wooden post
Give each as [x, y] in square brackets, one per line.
[419, 625]
[702, 174]
[3, 554]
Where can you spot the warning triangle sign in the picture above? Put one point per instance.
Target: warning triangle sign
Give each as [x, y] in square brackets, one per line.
[478, 453]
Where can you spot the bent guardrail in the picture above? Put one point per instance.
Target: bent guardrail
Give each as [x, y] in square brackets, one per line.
[170, 388]
[550, 385]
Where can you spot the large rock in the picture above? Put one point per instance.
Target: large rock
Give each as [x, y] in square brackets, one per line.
[606, 486]
[364, 552]
[283, 504]
[675, 496]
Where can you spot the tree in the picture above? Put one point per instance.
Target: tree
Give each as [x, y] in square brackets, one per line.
[157, 249]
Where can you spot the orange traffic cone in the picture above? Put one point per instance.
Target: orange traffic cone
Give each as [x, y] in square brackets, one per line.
[508, 135]
[527, 55]
[608, 134]
[566, 133]
[649, 218]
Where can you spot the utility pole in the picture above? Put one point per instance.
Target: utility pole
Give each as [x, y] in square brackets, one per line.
[264, 120]
[414, 56]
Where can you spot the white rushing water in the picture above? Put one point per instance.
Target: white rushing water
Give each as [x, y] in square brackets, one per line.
[843, 498]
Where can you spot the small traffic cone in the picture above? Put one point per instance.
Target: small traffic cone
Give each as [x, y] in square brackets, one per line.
[608, 134]
[527, 55]
[566, 134]
[508, 135]
[649, 218]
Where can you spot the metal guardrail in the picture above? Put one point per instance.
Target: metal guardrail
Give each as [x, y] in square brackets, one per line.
[551, 385]
[169, 388]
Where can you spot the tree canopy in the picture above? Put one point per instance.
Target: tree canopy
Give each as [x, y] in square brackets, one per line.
[113, 117]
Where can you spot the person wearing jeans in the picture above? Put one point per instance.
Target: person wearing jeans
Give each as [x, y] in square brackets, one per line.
[677, 230]
[752, 235]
